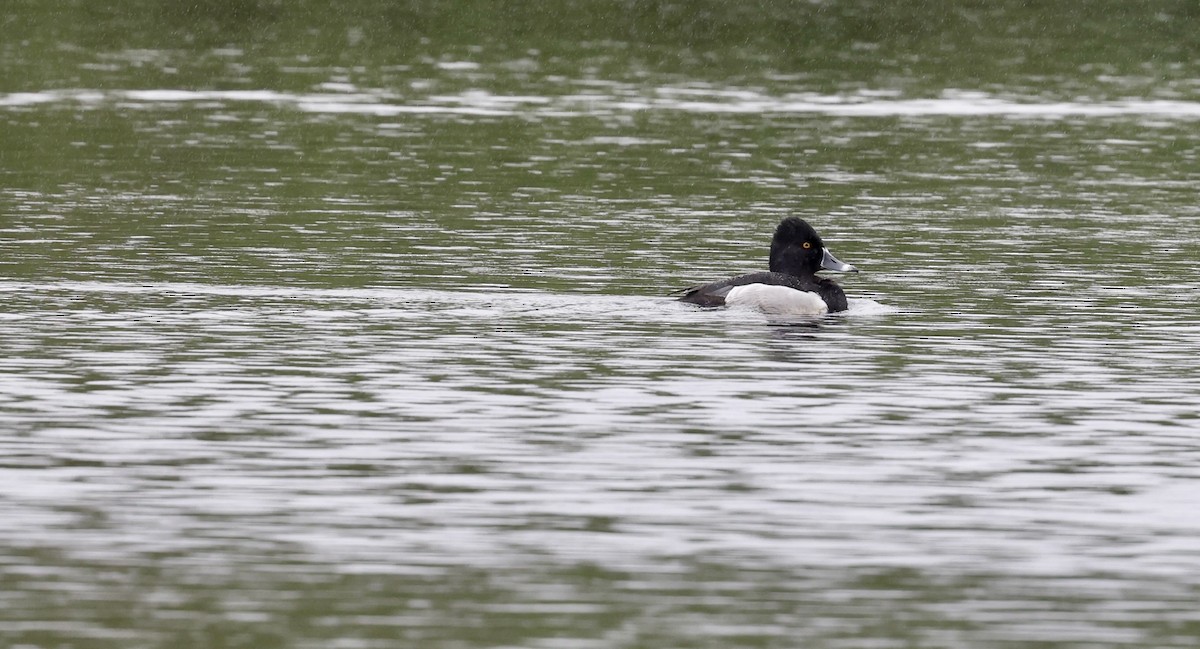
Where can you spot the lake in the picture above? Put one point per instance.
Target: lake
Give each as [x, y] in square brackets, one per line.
[355, 328]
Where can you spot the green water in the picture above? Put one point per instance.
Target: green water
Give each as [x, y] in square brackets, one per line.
[349, 325]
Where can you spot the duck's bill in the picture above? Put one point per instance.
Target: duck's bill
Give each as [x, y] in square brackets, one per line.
[829, 262]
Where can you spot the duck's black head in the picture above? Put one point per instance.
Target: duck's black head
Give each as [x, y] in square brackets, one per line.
[797, 249]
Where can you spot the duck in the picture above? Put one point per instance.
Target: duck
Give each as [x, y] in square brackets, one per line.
[790, 285]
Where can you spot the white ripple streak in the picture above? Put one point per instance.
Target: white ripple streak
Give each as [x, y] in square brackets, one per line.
[628, 99]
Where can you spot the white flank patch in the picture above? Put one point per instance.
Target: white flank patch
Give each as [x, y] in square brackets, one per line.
[776, 300]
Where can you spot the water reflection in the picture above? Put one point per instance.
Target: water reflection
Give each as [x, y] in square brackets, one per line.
[620, 451]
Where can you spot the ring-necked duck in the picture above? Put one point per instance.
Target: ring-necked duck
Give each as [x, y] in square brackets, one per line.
[791, 286]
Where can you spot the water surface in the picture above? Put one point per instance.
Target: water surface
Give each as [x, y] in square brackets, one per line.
[304, 351]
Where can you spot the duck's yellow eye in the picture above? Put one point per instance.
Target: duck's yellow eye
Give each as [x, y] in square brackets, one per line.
[807, 245]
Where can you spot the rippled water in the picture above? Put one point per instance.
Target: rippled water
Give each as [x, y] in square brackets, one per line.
[357, 367]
